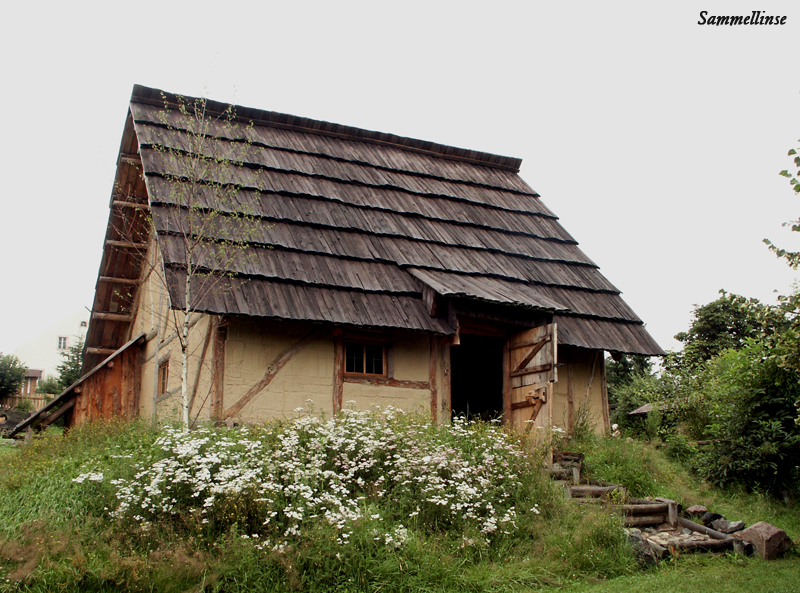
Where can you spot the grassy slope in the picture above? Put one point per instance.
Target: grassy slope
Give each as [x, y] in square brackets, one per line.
[57, 538]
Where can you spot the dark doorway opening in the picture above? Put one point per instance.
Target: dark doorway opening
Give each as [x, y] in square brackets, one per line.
[476, 377]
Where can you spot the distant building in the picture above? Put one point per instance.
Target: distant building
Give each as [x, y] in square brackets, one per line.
[32, 378]
[43, 352]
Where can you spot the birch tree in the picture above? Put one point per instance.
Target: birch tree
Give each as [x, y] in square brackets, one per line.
[209, 227]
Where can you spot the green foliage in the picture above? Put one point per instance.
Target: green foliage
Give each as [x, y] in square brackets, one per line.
[69, 370]
[721, 324]
[49, 385]
[642, 389]
[622, 371]
[791, 257]
[751, 402]
[12, 374]
[621, 461]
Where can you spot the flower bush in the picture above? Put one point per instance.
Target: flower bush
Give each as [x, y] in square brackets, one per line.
[386, 471]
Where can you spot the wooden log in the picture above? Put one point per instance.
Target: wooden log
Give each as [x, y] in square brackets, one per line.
[130, 158]
[711, 545]
[115, 280]
[641, 509]
[672, 510]
[644, 520]
[126, 244]
[560, 473]
[703, 529]
[95, 350]
[109, 316]
[595, 491]
[127, 204]
[658, 550]
[58, 413]
[562, 456]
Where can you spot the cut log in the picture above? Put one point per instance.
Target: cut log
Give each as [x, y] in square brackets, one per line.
[641, 509]
[644, 520]
[672, 510]
[710, 545]
[703, 529]
[595, 491]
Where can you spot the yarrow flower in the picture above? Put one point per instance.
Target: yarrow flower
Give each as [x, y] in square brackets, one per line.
[295, 474]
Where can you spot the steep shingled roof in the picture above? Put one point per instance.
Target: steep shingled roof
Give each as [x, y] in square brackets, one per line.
[355, 225]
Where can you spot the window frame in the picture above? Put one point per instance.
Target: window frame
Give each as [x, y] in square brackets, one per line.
[63, 342]
[163, 377]
[364, 343]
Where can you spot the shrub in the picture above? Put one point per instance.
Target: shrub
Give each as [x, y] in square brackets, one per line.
[756, 442]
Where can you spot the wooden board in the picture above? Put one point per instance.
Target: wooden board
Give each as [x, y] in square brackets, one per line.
[529, 374]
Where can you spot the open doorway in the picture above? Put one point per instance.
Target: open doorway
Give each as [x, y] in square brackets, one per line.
[476, 379]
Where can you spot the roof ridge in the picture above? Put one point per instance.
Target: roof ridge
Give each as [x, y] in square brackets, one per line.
[151, 96]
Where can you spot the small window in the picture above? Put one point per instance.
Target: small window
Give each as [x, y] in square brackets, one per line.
[83, 324]
[163, 377]
[62, 342]
[365, 359]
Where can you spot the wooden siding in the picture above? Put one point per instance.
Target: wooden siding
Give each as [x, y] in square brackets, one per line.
[111, 392]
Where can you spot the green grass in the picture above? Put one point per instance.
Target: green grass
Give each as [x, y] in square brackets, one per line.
[57, 535]
[701, 573]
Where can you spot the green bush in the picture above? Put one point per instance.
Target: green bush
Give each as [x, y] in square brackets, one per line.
[755, 440]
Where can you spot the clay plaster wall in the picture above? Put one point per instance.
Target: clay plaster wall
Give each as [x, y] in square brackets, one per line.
[575, 371]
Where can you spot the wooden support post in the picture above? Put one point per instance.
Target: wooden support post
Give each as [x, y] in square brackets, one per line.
[589, 385]
[570, 401]
[672, 510]
[338, 371]
[445, 389]
[218, 375]
[507, 387]
[604, 394]
[196, 384]
[434, 368]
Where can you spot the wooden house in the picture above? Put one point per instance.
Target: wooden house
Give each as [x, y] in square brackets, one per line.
[340, 265]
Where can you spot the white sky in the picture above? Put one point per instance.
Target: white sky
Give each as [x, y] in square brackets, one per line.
[657, 141]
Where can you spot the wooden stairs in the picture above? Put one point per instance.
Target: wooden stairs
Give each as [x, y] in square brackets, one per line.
[656, 523]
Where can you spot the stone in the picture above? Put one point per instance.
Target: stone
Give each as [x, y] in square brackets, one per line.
[768, 541]
[735, 526]
[720, 525]
[696, 511]
[708, 517]
[643, 552]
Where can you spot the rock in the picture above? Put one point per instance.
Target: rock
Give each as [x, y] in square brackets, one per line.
[708, 517]
[644, 554]
[735, 526]
[720, 525]
[695, 511]
[768, 541]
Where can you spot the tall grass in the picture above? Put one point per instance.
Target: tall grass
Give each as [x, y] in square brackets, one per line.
[364, 502]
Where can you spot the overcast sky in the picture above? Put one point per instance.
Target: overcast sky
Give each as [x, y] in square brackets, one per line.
[656, 140]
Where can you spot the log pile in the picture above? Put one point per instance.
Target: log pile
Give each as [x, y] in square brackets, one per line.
[657, 529]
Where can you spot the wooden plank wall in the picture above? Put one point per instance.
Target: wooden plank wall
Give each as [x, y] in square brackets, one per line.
[112, 391]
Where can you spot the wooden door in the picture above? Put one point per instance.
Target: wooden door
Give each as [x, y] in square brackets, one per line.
[529, 369]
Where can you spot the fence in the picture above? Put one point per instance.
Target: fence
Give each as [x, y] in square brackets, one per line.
[32, 402]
